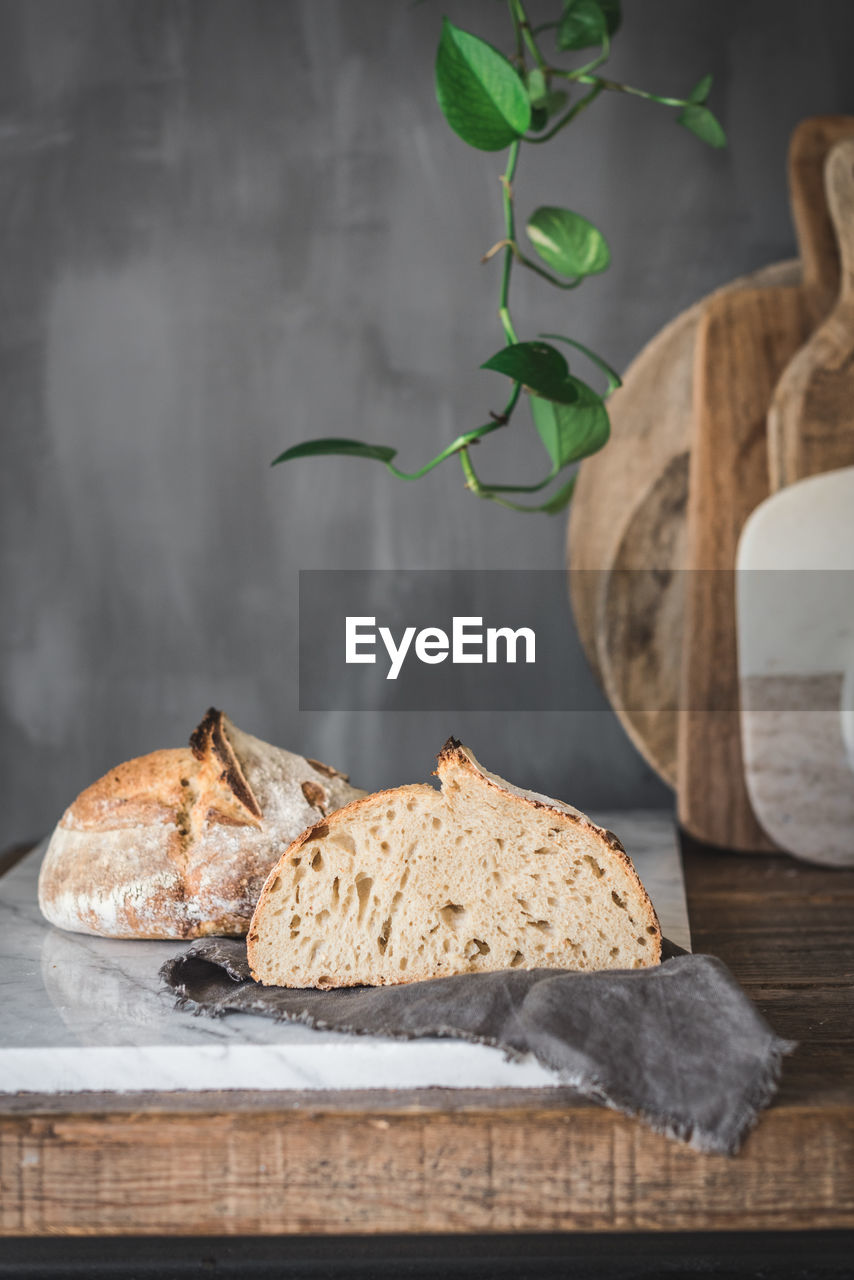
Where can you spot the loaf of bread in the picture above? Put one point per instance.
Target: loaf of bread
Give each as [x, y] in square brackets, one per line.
[418, 883]
[178, 844]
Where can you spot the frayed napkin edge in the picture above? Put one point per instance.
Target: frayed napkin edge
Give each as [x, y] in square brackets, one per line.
[759, 1095]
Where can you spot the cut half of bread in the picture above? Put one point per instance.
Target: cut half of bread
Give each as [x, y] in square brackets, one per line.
[417, 883]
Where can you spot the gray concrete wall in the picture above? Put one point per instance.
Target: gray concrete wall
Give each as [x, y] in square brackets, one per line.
[227, 226]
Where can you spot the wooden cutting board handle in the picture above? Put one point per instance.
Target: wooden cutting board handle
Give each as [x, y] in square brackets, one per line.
[811, 417]
[839, 185]
[744, 341]
[810, 145]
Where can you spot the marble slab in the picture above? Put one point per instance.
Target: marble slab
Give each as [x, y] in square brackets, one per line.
[795, 615]
[82, 1013]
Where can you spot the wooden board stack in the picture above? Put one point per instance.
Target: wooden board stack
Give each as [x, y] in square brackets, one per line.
[690, 458]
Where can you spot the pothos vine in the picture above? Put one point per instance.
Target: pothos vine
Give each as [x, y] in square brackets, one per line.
[493, 103]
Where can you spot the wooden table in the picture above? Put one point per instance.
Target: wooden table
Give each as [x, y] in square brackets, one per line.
[441, 1161]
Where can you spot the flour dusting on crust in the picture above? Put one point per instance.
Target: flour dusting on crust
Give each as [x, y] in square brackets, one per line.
[178, 843]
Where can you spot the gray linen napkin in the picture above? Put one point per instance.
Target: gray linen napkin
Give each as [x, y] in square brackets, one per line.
[679, 1045]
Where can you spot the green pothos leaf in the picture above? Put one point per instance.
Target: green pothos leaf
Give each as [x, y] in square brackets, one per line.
[572, 431]
[537, 366]
[701, 90]
[567, 242]
[561, 498]
[614, 379]
[585, 23]
[348, 448]
[613, 11]
[700, 121]
[479, 91]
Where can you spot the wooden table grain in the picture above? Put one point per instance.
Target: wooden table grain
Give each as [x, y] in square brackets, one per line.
[479, 1162]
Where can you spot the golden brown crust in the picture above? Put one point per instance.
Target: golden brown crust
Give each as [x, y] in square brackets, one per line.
[162, 786]
[450, 749]
[167, 845]
[147, 789]
[453, 752]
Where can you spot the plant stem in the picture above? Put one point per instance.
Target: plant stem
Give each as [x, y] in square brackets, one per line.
[520, 20]
[615, 87]
[472, 481]
[581, 105]
[591, 66]
[510, 230]
[517, 31]
[462, 442]
[474, 485]
[530, 264]
[522, 488]
[547, 275]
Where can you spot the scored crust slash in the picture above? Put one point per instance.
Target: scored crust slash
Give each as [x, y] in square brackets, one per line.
[208, 741]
